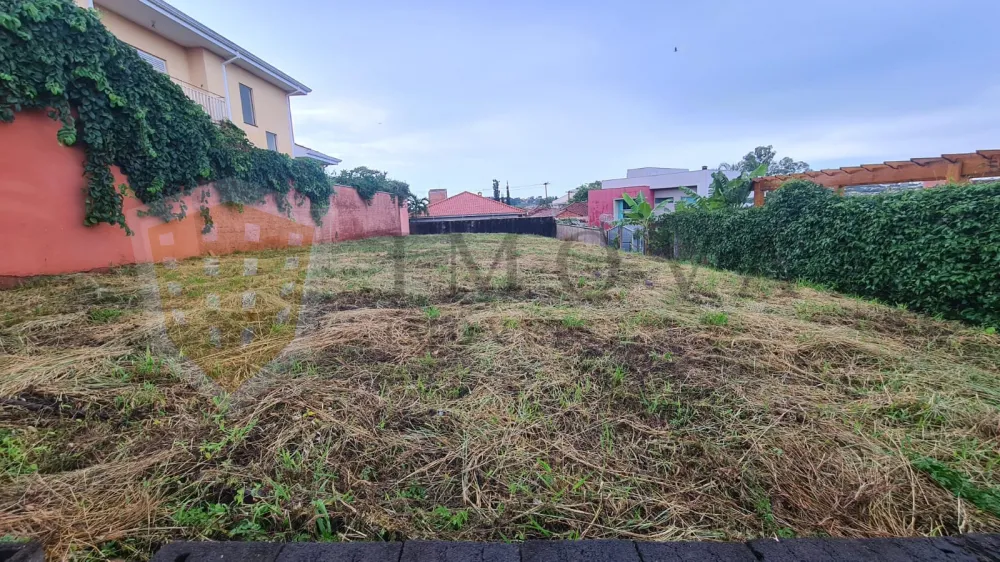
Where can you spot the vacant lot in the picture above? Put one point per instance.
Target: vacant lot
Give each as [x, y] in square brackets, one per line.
[562, 400]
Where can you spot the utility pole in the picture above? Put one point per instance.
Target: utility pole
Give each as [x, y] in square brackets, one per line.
[546, 184]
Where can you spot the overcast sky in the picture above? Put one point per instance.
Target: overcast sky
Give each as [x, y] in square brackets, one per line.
[451, 94]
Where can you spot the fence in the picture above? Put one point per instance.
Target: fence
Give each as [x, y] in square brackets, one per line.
[624, 238]
[41, 218]
[539, 226]
[214, 105]
[951, 168]
[585, 234]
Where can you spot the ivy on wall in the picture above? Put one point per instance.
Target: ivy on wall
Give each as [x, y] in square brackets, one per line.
[57, 57]
[935, 250]
[367, 182]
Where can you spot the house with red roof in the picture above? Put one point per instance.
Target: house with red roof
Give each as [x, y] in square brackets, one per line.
[574, 211]
[467, 205]
[543, 211]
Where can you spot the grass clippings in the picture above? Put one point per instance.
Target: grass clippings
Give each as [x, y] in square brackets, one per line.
[558, 399]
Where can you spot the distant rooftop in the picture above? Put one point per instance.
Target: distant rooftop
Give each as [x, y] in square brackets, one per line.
[646, 172]
[467, 204]
[300, 151]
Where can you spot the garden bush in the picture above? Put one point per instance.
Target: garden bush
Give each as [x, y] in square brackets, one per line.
[933, 250]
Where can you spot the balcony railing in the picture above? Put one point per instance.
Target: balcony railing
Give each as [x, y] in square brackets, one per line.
[213, 104]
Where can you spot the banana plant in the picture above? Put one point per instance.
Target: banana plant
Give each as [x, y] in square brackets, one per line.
[640, 213]
[726, 193]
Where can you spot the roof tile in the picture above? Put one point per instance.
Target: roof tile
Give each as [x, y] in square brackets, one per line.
[470, 204]
[578, 209]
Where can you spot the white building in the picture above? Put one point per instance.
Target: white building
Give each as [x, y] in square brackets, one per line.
[666, 183]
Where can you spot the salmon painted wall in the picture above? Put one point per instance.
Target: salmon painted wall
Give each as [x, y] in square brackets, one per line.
[42, 206]
[602, 201]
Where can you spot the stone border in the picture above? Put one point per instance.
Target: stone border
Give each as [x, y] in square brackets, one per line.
[966, 548]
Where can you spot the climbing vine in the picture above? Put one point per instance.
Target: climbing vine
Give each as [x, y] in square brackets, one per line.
[934, 250]
[367, 182]
[57, 57]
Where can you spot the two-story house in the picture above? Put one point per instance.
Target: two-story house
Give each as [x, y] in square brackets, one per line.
[228, 81]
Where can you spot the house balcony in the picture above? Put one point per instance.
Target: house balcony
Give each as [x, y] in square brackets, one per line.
[213, 104]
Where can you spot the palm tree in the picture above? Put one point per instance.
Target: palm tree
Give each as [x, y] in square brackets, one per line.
[418, 206]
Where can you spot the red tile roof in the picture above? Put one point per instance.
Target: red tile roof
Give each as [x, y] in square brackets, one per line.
[575, 210]
[470, 204]
[543, 212]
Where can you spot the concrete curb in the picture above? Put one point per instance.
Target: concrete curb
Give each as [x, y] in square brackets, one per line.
[966, 548]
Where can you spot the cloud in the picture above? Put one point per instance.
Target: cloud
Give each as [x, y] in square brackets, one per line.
[837, 140]
[382, 147]
[344, 115]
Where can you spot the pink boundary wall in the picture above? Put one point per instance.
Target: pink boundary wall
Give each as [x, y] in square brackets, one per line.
[42, 206]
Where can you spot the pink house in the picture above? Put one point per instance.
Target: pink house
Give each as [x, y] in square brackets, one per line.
[659, 185]
[604, 206]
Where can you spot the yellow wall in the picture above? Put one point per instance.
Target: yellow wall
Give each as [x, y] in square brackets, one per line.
[147, 40]
[270, 106]
[203, 69]
[206, 70]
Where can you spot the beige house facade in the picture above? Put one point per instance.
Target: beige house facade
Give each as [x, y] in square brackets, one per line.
[226, 80]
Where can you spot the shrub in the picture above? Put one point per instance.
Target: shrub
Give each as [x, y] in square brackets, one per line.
[934, 250]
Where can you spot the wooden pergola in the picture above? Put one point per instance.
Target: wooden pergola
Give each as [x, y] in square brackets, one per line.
[952, 168]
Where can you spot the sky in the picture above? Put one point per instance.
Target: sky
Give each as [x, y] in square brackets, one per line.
[452, 94]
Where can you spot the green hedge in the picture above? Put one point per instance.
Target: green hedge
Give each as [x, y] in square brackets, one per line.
[934, 250]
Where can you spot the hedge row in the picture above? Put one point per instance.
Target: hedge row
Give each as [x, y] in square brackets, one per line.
[934, 250]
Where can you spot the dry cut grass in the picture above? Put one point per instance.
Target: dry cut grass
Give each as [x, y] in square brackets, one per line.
[560, 400]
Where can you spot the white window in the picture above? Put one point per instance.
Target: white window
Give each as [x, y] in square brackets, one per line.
[156, 62]
[272, 141]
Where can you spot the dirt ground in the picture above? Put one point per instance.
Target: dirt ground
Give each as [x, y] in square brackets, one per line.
[383, 389]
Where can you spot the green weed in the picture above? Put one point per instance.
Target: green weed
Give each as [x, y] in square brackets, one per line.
[15, 455]
[715, 319]
[987, 499]
[204, 519]
[105, 315]
[445, 518]
[618, 377]
[762, 505]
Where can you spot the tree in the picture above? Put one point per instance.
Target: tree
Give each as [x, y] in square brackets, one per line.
[766, 155]
[418, 206]
[580, 195]
[496, 190]
[639, 213]
[532, 202]
[787, 166]
[726, 193]
[733, 193]
[368, 182]
[508, 193]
